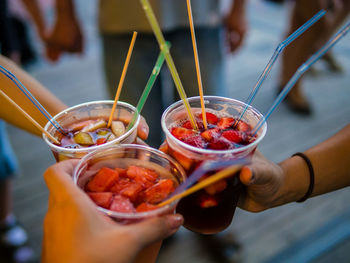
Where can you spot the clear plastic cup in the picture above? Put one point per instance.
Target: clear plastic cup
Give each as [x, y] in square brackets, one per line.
[91, 110]
[214, 218]
[122, 156]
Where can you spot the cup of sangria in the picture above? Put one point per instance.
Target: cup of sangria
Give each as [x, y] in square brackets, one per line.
[211, 209]
[85, 128]
[127, 181]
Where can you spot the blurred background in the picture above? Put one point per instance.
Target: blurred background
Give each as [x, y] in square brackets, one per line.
[315, 231]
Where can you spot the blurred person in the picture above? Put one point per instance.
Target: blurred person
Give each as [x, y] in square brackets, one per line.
[13, 238]
[303, 47]
[319, 170]
[87, 235]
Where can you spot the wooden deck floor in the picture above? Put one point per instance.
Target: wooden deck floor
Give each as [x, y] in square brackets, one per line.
[295, 231]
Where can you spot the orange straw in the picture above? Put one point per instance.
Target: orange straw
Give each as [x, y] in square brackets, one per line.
[227, 172]
[119, 89]
[30, 118]
[195, 51]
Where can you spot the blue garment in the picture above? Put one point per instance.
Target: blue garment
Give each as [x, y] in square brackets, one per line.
[8, 161]
[146, 50]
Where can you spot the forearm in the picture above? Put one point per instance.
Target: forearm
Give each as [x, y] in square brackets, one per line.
[238, 6]
[10, 114]
[331, 163]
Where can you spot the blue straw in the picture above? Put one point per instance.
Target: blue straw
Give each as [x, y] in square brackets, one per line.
[36, 103]
[301, 70]
[203, 169]
[277, 52]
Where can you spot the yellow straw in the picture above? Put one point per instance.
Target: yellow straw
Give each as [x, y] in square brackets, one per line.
[195, 51]
[119, 89]
[30, 118]
[202, 184]
[164, 48]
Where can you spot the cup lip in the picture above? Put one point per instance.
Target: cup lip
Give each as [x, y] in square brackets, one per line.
[80, 150]
[209, 151]
[136, 215]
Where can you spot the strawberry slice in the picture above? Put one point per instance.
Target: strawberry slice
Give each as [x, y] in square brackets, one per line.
[131, 191]
[226, 122]
[207, 201]
[243, 126]
[211, 134]
[100, 141]
[103, 199]
[217, 187]
[219, 144]
[181, 133]
[146, 177]
[234, 136]
[188, 125]
[122, 204]
[211, 118]
[196, 141]
[103, 180]
[143, 207]
[159, 191]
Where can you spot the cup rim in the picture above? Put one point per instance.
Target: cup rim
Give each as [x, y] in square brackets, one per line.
[210, 151]
[136, 215]
[80, 150]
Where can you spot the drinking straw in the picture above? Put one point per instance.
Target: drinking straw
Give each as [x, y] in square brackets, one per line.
[29, 118]
[204, 168]
[169, 60]
[229, 171]
[275, 55]
[196, 59]
[148, 87]
[121, 81]
[35, 102]
[300, 71]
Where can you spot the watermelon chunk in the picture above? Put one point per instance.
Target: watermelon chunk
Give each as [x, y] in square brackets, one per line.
[103, 199]
[122, 204]
[226, 122]
[143, 207]
[131, 191]
[159, 191]
[103, 180]
[146, 177]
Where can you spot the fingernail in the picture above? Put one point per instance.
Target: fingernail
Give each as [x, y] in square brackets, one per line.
[175, 220]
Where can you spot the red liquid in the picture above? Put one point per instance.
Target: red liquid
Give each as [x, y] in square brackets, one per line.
[210, 210]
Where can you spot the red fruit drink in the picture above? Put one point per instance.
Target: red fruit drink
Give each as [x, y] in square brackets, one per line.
[127, 181]
[211, 210]
[86, 128]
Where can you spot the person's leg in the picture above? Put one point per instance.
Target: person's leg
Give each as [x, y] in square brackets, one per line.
[210, 53]
[300, 50]
[143, 58]
[13, 238]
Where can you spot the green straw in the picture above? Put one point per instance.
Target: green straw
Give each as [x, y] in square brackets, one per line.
[148, 88]
[169, 60]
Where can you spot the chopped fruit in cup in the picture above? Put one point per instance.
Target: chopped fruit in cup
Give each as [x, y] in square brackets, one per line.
[89, 133]
[135, 189]
[222, 133]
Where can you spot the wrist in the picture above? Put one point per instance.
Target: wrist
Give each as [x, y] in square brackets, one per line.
[295, 181]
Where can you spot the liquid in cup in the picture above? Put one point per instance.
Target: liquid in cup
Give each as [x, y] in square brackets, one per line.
[122, 157]
[81, 116]
[210, 210]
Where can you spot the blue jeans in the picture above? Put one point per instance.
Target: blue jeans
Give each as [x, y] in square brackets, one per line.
[146, 50]
[8, 161]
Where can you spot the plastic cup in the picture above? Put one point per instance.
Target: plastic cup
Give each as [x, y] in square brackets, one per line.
[91, 110]
[122, 156]
[214, 218]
